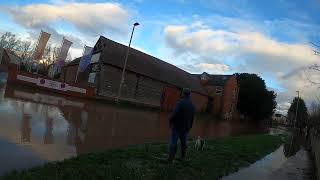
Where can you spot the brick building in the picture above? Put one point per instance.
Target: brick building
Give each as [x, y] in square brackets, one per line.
[152, 81]
[223, 93]
[148, 80]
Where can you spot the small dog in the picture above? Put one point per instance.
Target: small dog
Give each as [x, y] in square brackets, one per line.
[199, 145]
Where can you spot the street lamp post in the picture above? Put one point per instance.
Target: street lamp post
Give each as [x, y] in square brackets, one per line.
[125, 62]
[295, 119]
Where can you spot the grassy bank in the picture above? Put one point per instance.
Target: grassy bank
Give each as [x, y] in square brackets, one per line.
[220, 157]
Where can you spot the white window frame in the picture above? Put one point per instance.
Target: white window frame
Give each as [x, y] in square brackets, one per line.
[95, 58]
[92, 77]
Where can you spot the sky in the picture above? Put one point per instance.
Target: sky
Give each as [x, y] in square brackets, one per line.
[270, 38]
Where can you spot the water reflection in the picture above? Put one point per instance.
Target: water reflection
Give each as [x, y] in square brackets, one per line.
[55, 127]
[48, 136]
[26, 128]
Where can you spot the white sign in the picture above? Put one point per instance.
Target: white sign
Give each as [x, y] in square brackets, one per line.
[52, 84]
[95, 58]
[27, 79]
[76, 89]
[92, 77]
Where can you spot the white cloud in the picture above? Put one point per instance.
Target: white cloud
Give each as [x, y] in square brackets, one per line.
[93, 18]
[213, 68]
[246, 51]
[208, 41]
[79, 22]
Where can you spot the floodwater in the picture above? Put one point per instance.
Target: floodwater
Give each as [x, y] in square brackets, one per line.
[290, 161]
[37, 127]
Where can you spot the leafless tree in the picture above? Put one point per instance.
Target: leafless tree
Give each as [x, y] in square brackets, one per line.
[315, 113]
[9, 41]
[315, 68]
[24, 50]
[55, 53]
[47, 55]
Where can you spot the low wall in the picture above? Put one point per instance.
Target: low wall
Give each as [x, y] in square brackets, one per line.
[315, 145]
[45, 83]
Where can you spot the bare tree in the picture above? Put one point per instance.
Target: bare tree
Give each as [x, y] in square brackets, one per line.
[314, 70]
[47, 55]
[9, 41]
[24, 50]
[316, 49]
[55, 53]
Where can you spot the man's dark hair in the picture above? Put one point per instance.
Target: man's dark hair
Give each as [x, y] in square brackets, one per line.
[186, 92]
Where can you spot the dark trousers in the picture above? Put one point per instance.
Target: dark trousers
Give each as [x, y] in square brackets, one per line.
[175, 136]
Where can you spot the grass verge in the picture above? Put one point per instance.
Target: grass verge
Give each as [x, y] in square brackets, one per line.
[220, 157]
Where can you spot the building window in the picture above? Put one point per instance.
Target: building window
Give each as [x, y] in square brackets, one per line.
[95, 58]
[204, 76]
[218, 90]
[92, 77]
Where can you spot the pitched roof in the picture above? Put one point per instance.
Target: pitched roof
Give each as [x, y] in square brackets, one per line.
[218, 80]
[144, 64]
[14, 58]
[215, 80]
[74, 62]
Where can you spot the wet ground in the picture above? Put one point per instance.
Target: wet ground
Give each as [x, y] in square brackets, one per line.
[37, 127]
[289, 162]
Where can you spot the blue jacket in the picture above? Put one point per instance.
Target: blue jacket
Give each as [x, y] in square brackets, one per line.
[182, 116]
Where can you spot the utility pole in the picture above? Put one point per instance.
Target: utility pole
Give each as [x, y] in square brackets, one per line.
[295, 119]
[125, 63]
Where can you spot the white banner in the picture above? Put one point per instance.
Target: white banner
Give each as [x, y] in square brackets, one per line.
[66, 44]
[42, 43]
[87, 50]
[85, 59]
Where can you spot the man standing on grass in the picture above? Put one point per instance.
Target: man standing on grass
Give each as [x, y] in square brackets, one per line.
[181, 121]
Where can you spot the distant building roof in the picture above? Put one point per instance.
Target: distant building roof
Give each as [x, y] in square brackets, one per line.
[218, 80]
[14, 58]
[214, 80]
[144, 64]
[74, 62]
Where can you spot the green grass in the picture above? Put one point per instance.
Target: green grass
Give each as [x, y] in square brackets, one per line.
[220, 157]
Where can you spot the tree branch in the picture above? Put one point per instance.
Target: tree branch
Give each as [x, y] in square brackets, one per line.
[308, 76]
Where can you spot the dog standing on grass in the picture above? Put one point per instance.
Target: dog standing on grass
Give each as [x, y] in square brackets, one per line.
[199, 145]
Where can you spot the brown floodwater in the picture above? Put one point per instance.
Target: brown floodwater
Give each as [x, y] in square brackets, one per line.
[37, 127]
